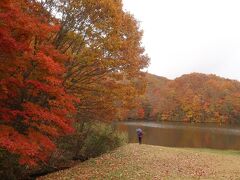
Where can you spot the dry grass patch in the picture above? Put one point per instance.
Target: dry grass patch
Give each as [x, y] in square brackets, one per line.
[135, 161]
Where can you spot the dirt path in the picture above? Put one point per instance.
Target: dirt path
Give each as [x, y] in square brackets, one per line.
[155, 162]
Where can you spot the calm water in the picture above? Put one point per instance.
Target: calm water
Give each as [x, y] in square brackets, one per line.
[184, 134]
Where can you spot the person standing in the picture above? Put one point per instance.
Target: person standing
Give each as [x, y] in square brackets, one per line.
[140, 135]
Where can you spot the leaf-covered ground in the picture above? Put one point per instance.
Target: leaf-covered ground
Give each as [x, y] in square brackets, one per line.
[135, 161]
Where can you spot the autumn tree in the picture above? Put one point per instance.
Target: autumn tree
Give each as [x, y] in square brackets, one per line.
[103, 44]
[34, 106]
[55, 52]
[106, 56]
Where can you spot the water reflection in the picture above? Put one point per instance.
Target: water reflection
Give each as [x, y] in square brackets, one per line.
[184, 135]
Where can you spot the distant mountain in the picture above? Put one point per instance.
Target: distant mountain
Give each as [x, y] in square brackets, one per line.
[192, 97]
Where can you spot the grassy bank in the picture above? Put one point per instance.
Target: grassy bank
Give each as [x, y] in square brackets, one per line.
[155, 162]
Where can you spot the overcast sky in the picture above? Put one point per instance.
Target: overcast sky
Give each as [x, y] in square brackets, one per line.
[184, 36]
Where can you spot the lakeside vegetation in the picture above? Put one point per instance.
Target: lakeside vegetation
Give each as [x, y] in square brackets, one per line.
[64, 64]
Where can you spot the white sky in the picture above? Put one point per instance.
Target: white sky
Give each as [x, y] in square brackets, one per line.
[184, 36]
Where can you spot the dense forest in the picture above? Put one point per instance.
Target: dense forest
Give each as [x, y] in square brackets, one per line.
[190, 98]
[65, 65]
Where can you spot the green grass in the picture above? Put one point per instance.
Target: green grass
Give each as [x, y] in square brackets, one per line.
[216, 151]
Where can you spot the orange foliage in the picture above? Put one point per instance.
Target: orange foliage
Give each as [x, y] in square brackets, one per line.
[193, 98]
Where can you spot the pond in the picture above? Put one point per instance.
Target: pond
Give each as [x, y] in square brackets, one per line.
[184, 134]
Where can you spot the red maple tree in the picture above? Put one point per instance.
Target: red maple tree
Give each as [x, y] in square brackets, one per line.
[34, 106]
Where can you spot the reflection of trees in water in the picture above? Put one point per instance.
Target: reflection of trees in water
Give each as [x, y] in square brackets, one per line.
[188, 136]
[207, 139]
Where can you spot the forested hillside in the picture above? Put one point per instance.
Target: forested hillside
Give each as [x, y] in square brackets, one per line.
[190, 98]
